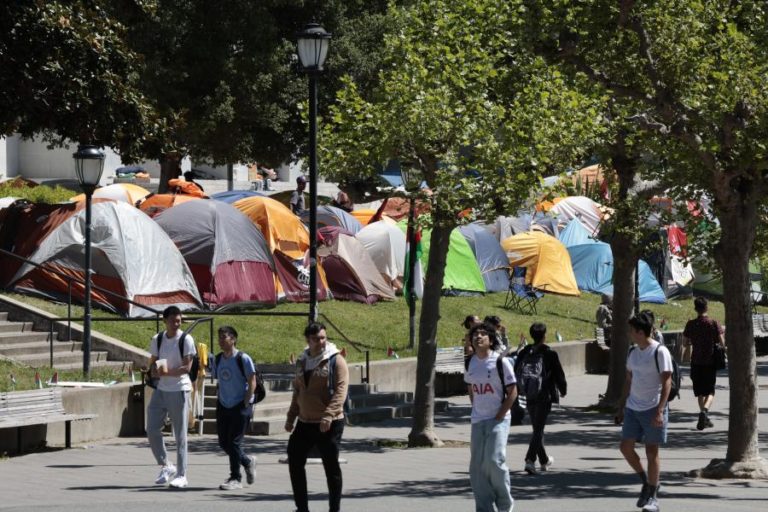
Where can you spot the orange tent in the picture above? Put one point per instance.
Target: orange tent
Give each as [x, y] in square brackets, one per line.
[156, 203]
[282, 229]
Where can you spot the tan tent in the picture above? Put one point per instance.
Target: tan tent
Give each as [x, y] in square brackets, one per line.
[547, 260]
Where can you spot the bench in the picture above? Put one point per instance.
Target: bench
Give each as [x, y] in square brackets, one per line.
[450, 360]
[36, 407]
[760, 325]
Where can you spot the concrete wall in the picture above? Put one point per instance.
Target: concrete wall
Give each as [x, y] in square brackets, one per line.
[9, 156]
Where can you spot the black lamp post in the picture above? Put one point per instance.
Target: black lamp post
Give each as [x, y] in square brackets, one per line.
[313, 44]
[89, 164]
[411, 182]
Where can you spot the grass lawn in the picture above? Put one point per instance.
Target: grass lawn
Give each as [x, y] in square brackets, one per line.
[272, 339]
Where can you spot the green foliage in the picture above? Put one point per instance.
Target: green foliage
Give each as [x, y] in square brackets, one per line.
[25, 376]
[39, 194]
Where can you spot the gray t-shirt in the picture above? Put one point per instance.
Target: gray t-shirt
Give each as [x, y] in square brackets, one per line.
[297, 201]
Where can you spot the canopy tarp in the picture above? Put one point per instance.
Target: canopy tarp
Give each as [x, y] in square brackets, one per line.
[547, 261]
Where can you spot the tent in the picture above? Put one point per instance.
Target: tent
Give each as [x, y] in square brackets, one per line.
[132, 256]
[547, 261]
[230, 196]
[593, 267]
[332, 216]
[668, 262]
[281, 228]
[385, 244]
[153, 204]
[293, 278]
[491, 258]
[578, 207]
[5, 202]
[351, 273]
[125, 192]
[576, 234]
[225, 251]
[462, 273]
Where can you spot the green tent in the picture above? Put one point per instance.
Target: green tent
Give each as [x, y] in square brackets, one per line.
[462, 273]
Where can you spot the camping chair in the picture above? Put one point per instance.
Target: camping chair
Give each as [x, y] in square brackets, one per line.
[520, 296]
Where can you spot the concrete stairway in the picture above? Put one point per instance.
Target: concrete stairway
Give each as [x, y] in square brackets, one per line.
[32, 348]
[367, 405]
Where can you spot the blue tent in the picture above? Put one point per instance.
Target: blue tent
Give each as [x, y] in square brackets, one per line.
[230, 196]
[332, 216]
[593, 267]
[493, 262]
[576, 234]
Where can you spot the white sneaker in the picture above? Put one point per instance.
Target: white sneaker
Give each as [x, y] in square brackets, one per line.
[548, 464]
[179, 482]
[166, 473]
[652, 505]
[231, 485]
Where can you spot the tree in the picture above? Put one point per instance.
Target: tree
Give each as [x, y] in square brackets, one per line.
[693, 73]
[68, 75]
[480, 120]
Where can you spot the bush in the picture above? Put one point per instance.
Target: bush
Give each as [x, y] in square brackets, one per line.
[39, 194]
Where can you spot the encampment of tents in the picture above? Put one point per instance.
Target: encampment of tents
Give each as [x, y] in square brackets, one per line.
[225, 251]
[385, 244]
[491, 258]
[546, 260]
[131, 256]
[281, 228]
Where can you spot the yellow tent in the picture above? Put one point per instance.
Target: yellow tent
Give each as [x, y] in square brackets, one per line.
[546, 259]
[281, 228]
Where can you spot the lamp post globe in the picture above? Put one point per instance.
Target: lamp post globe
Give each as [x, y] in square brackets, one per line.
[89, 164]
[312, 46]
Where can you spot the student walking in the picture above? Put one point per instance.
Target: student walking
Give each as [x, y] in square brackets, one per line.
[236, 375]
[540, 378]
[319, 392]
[490, 382]
[171, 397]
[643, 408]
[702, 334]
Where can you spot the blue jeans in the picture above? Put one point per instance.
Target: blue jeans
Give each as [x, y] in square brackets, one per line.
[231, 425]
[488, 471]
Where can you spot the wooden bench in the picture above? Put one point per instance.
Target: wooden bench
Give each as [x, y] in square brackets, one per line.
[450, 360]
[36, 407]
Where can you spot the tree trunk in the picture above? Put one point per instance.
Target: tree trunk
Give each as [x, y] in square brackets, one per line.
[742, 460]
[170, 168]
[422, 432]
[624, 262]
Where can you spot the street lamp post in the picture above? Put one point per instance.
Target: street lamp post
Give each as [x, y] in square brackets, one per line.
[313, 44]
[411, 182]
[89, 164]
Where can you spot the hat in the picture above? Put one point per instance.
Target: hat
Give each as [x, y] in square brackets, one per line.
[301, 179]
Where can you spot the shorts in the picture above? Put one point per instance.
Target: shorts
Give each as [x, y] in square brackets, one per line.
[703, 377]
[638, 425]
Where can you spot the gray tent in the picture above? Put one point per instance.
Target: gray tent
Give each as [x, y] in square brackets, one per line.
[491, 258]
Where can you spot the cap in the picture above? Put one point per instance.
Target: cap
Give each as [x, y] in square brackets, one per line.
[301, 179]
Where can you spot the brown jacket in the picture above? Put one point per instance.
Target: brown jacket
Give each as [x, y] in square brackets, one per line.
[312, 401]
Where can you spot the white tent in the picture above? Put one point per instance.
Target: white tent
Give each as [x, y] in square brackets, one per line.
[385, 244]
[578, 207]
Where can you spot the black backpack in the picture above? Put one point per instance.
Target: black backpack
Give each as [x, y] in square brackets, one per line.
[261, 391]
[674, 391]
[193, 371]
[332, 382]
[531, 375]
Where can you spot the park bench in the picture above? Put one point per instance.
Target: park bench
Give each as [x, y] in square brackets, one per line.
[449, 360]
[20, 409]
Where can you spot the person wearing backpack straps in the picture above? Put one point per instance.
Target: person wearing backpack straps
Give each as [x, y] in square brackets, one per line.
[541, 379]
[236, 376]
[643, 408]
[171, 396]
[320, 415]
[491, 398]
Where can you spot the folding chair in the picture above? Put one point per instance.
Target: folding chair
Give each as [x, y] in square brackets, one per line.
[520, 296]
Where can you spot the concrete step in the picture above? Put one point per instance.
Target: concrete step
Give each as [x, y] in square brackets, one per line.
[6, 326]
[37, 360]
[40, 347]
[22, 337]
[116, 365]
[3, 316]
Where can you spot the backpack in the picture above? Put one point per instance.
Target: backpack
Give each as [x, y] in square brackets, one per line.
[193, 371]
[332, 382]
[261, 392]
[674, 391]
[530, 375]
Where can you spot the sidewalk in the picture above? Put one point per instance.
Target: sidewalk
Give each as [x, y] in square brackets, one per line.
[589, 473]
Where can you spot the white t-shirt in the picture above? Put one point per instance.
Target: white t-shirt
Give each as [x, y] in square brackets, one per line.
[645, 391]
[169, 350]
[487, 391]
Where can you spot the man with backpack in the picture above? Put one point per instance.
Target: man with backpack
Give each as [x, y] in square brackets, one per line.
[541, 380]
[643, 408]
[237, 380]
[490, 381]
[172, 353]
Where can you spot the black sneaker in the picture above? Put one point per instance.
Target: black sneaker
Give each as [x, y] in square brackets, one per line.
[708, 423]
[645, 494]
[702, 423]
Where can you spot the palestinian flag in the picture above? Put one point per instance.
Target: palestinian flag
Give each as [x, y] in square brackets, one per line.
[418, 285]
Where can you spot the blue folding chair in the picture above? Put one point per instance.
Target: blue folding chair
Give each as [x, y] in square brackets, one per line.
[521, 297]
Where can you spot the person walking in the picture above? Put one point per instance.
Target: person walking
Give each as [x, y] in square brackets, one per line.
[541, 379]
[643, 407]
[702, 334]
[319, 393]
[297, 197]
[604, 317]
[171, 397]
[490, 381]
[236, 375]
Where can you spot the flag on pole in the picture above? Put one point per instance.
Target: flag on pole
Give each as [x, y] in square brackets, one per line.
[13, 381]
[343, 352]
[417, 270]
[54, 379]
[558, 336]
[38, 382]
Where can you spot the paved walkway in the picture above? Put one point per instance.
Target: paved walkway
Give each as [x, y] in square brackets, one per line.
[589, 473]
